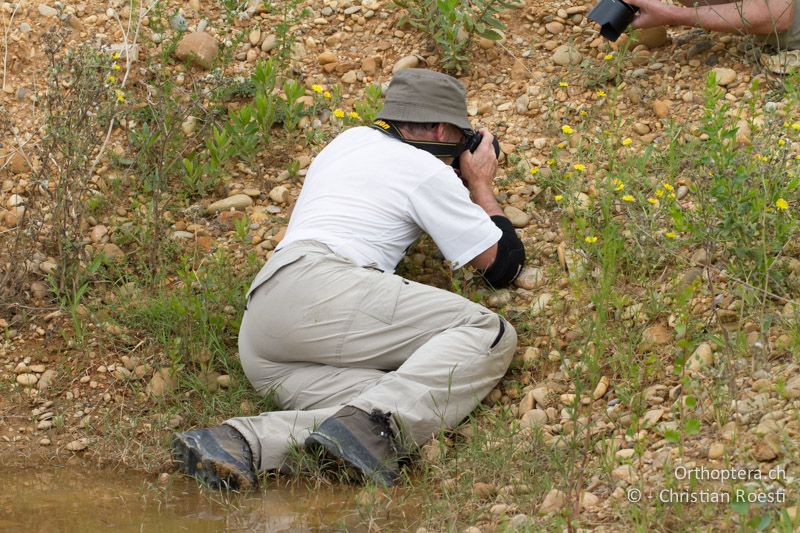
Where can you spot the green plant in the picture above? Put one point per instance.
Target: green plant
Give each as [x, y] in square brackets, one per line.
[452, 24]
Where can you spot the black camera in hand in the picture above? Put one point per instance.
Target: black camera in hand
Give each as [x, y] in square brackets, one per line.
[471, 141]
[613, 16]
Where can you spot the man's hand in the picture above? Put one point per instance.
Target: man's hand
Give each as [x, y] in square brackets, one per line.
[652, 13]
[477, 173]
[478, 169]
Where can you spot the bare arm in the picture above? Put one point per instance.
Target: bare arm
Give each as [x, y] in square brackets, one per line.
[759, 17]
[477, 172]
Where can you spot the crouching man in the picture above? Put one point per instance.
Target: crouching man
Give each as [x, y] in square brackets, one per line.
[365, 363]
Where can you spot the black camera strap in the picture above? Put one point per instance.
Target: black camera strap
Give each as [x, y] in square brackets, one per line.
[438, 149]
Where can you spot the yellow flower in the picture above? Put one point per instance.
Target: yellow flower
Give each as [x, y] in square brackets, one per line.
[120, 95]
[115, 66]
[579, 167]
[668, 187]
[781, 142]
[567, 175]
[111, 78]
[797, 157]
[338, 113]
[562, 144]
[353, 115]
[601, 94]
[796, 126]
[567, 130]
[608, 57]
[659, 193]
[670, 235]
[672, 196]
[583, 113]
[563, 84]
[558, 197]
[550, 162]
[627, 198]
[618, 185]
[626, 141]
[316, 88]
[115, 56]
[652, 201]
[782, 204]
[534, 171]
[591, 239]
[326, 94]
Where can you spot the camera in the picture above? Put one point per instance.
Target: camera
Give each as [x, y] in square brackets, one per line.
[471, 141]
[613, 16]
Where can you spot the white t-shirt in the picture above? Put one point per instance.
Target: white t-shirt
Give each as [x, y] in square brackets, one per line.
[368, 196]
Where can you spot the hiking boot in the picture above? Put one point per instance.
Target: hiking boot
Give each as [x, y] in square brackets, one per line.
[219, 456]
[363, 440]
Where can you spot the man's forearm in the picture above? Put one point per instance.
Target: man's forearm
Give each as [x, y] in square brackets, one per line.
[759, 17]
[484, 197]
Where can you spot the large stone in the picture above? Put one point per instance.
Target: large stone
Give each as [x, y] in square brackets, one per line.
[78, 445]
[518, 217]
[653, 37]
[566, 55]
[237, 201]
[411, 61]
[199, 48]
[530, 278]
[534, 418]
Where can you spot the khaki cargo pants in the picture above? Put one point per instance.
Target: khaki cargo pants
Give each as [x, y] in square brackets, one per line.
[322, 333]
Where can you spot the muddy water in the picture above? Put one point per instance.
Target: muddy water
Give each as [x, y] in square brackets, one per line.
[74, 499]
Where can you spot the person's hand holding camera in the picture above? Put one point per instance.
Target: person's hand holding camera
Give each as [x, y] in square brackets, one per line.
[652, 13]
[477, 172]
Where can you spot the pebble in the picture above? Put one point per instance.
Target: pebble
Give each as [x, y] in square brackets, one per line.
[553, 501]
[27, 379]
[78, 445]
[255, 37]
[237, 201]
[178, 22]
[661, 108]
[566, 55]
[554, 27]
[269, 43]
[46, 380]
[326, 57]
[716, 450]
[540, 303]
[703, 356]
[47, 11]
[725, 76]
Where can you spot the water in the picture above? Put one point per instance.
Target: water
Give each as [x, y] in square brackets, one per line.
[85, 500]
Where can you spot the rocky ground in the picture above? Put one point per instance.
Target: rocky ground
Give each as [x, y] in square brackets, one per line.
[59, 400]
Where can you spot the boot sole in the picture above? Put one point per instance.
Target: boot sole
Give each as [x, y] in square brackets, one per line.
[188, 457]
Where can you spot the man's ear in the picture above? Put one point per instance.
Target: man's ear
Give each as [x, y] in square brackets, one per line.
[440, 131]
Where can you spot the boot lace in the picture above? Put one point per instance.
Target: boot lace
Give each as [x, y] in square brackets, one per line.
[382, 420]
